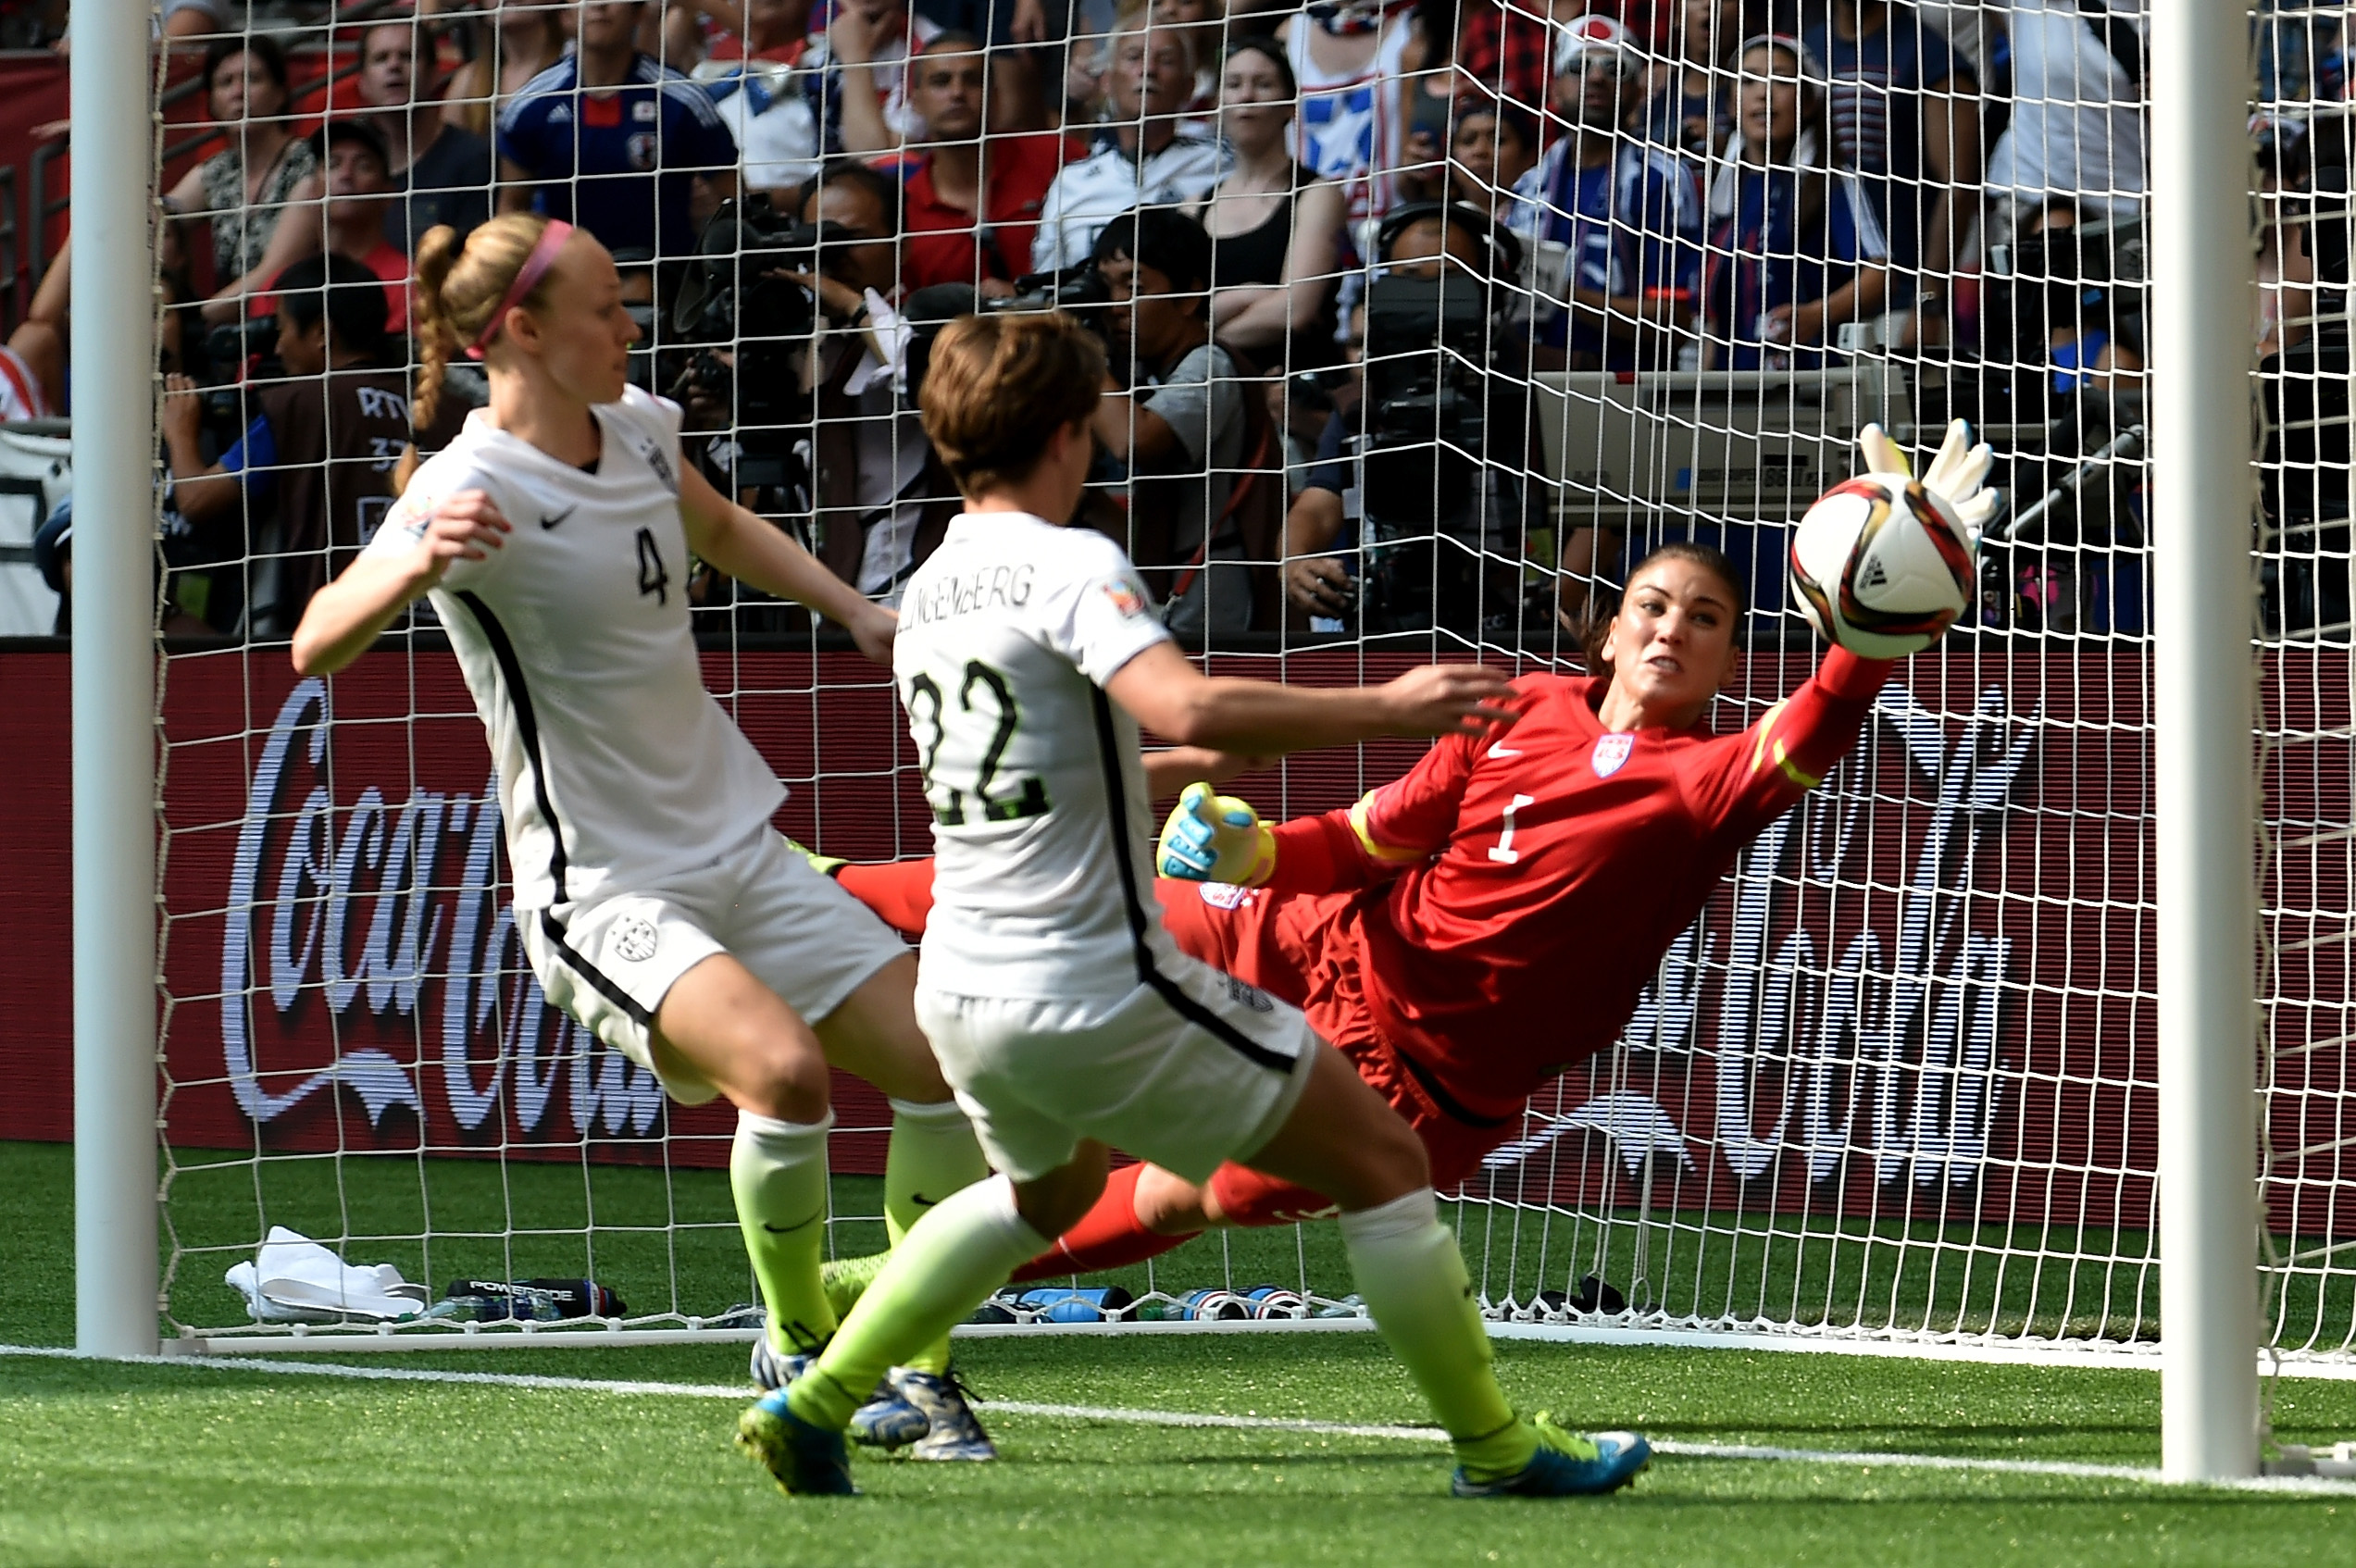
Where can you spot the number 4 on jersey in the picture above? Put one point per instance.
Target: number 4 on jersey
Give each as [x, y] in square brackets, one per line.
[652, 576]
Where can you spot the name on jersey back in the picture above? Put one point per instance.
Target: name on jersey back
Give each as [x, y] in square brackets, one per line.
[1003, 587]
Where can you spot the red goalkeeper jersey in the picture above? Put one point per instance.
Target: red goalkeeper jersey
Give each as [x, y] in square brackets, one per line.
[1537, 873]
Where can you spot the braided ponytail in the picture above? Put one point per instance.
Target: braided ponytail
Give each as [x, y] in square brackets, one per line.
[457, 288]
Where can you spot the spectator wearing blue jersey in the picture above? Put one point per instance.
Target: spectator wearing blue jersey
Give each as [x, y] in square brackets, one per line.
[1904, 114]
[1794, 248]
[1625, 213]
[625, 147]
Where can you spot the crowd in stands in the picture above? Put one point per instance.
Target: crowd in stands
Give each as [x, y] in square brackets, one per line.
[1223, 187]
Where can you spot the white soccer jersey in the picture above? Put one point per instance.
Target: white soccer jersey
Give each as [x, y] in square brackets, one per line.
[1042, 885]
[615, 765]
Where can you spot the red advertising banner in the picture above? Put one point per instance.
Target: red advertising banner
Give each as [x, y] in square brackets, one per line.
[1927, 991]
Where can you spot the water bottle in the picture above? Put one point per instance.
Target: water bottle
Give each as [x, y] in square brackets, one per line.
[1213, 1306]
[1275, 1302]
[1066, 1304]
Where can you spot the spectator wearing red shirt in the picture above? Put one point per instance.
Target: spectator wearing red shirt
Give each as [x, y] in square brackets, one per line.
[1509, 48]
[343, 212]
[972, 203]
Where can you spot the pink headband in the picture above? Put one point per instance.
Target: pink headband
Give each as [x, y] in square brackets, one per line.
[535, 267]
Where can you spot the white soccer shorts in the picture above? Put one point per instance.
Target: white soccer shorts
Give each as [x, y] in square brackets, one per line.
[610, 964]
[1192, 1070]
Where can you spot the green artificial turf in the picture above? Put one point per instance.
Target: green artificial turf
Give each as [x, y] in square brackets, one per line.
[120, 1465]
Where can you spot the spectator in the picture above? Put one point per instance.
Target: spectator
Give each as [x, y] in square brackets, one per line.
[1180, 427]
[356, 190]
[2082, 348]
[1141, 157]
[503, 57]
[441, 170]
[1692, 104]
[1507, 45]
[1794, 249]
[314, 470]
[880, 500]
[1201, 24]
[2077, 118]
[1024, 40]
[2286, 265]
[1349, 59]
[244, 187]
[1492, 146]
[632, 152]
[1624, 212]
[1427, 93]
[1904, 115]
[765, 99]
[1276, 229]
[863, 91]
[973, 201]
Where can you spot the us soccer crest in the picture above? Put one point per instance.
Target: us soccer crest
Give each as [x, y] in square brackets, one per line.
[1612, 751]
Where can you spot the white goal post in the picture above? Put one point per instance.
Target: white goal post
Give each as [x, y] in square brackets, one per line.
[1896, 1088]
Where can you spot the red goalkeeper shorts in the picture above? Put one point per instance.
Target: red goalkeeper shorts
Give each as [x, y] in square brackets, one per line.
[1303, 949]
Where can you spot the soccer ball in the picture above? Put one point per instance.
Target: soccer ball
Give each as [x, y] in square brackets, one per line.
[1880, 567]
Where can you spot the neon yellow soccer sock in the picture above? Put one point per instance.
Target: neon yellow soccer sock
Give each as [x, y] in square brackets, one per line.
[932, 1154]
[945, 1266]
[778, 1171]
[1413, 1277]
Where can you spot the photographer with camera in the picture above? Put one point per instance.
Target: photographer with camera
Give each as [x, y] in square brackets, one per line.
[1405, 519]
[313, 470]
[1193, 429]
[802, 342]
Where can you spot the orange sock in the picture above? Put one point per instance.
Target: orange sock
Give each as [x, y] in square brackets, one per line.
[1107, 1236]
[898, 891]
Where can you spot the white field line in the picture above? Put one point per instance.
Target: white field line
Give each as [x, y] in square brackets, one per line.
[1863, 1459]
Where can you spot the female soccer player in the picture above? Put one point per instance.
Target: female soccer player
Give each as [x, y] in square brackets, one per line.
[1471, 930]
[1028, 657]
[657, 903]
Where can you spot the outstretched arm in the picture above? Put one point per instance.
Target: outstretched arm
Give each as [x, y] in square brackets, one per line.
[741, 544]
[1753, 777]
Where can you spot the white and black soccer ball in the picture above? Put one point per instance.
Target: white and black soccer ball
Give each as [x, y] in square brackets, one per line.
[1880, 567]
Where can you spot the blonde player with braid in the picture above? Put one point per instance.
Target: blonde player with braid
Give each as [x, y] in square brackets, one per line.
[658, 904]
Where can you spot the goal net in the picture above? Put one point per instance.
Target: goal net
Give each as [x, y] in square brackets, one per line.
[1897, 1081]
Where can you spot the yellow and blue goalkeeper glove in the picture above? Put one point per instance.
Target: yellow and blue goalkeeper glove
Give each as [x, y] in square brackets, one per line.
[1216, 838]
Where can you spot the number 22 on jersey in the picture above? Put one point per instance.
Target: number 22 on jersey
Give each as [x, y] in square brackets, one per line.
[982, 697]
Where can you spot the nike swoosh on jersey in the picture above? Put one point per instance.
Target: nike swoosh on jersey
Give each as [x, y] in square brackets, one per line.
[552, 522]
[790, 1229]
[1497, 750]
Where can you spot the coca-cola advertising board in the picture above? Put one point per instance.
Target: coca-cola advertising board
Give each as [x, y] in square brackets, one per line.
[1929, 989]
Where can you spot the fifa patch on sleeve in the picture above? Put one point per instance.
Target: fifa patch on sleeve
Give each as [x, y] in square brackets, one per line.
[1125, 598]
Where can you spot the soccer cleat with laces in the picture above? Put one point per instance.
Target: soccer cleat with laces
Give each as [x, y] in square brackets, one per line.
[1567, 1465]
[954, 1433]
[807, 1460]
[886, 1421]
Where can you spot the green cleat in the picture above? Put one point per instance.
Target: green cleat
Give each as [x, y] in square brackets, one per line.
[807, 1460]
[1567, 1465]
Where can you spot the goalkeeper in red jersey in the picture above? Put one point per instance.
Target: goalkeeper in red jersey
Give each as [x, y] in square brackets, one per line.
[1472, 929]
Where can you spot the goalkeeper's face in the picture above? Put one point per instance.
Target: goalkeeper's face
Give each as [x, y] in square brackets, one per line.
[1672, 645]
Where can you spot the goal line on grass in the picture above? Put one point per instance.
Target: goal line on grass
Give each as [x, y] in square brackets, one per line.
[1866, 1459]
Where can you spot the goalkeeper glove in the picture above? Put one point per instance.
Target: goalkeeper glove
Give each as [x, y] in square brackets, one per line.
[1216, 838]
[1957, 478]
